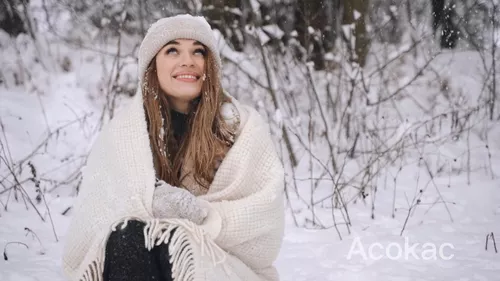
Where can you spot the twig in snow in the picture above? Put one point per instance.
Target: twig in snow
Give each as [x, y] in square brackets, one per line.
[5, 249]
[394, 192]
[416, 200]
[1, 202]
[287, 192]
[42, 196]
[323, 118]
[395, 93]
[489, 162]
[309, 140]
[468, 157]
[272, 92]
[339, 198]
[33, 234]
[431, 175]
[19, 186]
[336, 191]
[44, 142]
[492, 236]
[67, 210]
[46, 119]
[493, 87]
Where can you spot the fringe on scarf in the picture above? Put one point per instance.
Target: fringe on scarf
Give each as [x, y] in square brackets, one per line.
[94, 271]
[158, 231]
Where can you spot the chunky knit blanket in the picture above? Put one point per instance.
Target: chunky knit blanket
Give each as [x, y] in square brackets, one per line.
[239, 240]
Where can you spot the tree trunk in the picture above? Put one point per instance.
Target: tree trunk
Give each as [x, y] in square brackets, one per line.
[10, 19]
[444, 17]
[437, 14]
[314, 30]
[450, 33]
[388, 31]
[227, 16]
[355, 12]
[332, 28]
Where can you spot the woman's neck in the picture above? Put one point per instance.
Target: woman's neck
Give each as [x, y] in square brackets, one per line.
[180, 106]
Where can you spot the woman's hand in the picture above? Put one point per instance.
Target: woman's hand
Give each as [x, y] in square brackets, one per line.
[173, 202]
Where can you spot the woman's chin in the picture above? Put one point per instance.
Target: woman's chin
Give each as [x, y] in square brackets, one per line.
[187, 96]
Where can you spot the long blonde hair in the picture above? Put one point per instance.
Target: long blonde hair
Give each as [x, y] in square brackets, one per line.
[207, 137]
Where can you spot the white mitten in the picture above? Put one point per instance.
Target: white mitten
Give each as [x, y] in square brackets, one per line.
[173, 202]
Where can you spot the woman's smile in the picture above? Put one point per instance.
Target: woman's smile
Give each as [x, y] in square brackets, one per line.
[188, 77]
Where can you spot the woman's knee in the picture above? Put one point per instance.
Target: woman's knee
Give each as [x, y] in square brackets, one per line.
[129, 233]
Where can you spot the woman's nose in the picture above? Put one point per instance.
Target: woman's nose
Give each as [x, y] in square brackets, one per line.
[187, 60]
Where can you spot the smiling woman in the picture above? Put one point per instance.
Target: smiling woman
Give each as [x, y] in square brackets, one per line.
[180, 66]
[185, 184]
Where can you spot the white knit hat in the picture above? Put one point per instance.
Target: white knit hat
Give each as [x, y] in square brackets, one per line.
[171, 28]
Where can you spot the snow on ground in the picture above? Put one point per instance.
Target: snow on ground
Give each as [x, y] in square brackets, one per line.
[320, 254]
[475, 209]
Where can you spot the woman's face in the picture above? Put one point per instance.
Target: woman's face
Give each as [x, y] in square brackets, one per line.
[180, 67]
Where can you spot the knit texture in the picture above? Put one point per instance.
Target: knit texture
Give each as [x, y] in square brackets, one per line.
[240, 238]
[171, 28]
[174, 202]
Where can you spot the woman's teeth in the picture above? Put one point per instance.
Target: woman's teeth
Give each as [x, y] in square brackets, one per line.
[191, 77]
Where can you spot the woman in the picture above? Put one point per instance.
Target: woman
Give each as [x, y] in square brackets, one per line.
[184, 184]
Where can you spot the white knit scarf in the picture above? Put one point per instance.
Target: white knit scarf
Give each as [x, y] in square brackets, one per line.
[118, 185]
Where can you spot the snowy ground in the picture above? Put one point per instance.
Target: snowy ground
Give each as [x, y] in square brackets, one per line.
[320, 254]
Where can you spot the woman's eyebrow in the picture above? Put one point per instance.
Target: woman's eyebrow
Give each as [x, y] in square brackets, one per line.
[198, 43]
[173, 42]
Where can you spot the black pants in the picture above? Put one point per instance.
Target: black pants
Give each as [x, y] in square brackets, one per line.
[127, 258]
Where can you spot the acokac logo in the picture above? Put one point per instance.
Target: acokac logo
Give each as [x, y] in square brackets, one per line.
[396, 251]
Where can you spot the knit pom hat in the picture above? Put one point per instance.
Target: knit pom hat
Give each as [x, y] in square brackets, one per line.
[177, 27]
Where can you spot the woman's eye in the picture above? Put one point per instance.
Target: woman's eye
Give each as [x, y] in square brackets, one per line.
[171, 51]
[200, 51]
